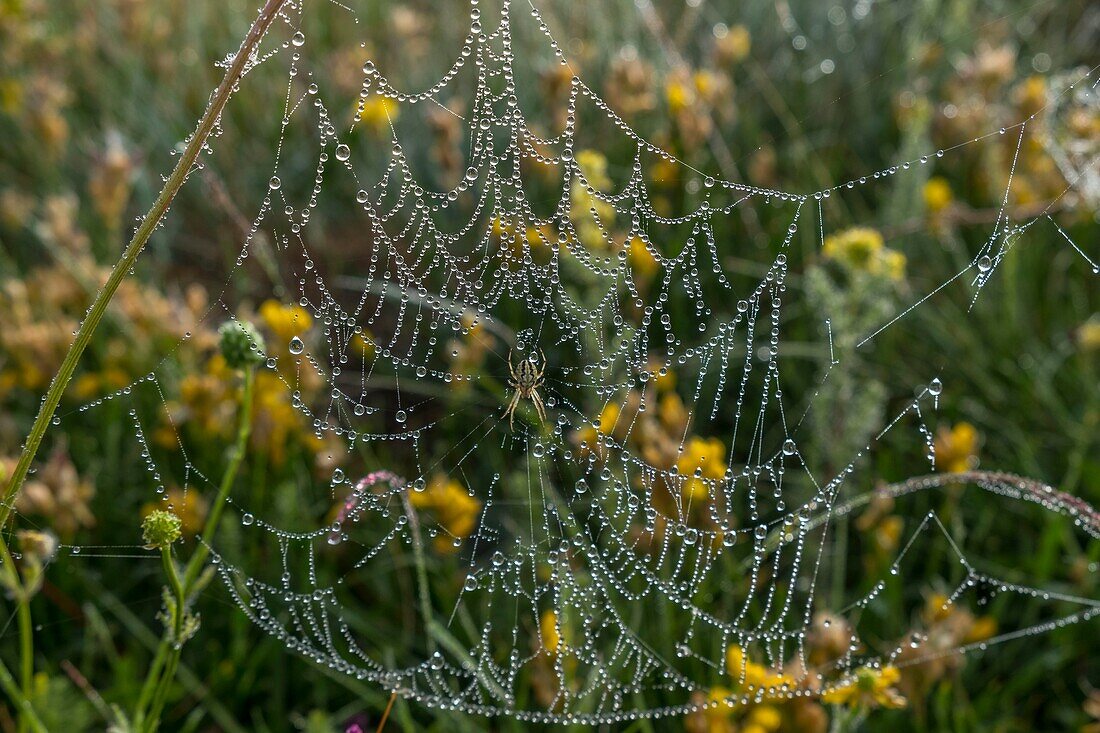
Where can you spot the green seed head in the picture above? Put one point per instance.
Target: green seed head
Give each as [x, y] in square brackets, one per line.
[241, 344]
[160, 529]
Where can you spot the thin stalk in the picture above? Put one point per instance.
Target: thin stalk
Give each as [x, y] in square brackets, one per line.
[26, 653]
[26, 628]
[129, 256]
[169, 651]
[23, 705]
[176, 644]
[244, 430]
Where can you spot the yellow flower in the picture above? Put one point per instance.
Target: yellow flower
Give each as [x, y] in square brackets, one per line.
[453, 508]
[378, 112]
[937, 608]
[276, 422]
[1088, 335]
[593, 165]
[590, 437]
[861, 249]
[937, 194]
[734, 45]
[888, 532]
[642, 261]
[285, 321]
[677, 95]
[763, 718]
[671, 411]
[893, 264]
[983, 628]
[858, 247]
[705, 83]
[956, 448]
[609, 417]
[701, 459]
[548, 631]
[753, 676]
[362, 344]
[871, 688]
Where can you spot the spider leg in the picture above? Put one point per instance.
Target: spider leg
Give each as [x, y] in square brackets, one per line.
[536, 399]
[511, 411]
[511, 369]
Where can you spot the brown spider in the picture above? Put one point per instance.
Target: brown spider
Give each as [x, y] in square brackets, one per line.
[526, 380]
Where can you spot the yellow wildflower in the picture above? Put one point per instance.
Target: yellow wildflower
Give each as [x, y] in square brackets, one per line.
[701, 459]
[677, 95]
[1088, 335]
[762, 719]
[937, 194]
[362, 344]
[871, 688]
[453, 508]
[888, 532]
[593, 165]
[734, 45]
[672, 412]
[285, 321]
[861, 249]
[642, 261]
[589, 438]
[981, 629]
[957, 448]
[752, 675]
[548, 631]
[856, 248]
[275, 420]
[378, 112]
[705, 84]
[936, 608]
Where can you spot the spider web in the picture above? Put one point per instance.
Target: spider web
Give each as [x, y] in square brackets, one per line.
[649, 573]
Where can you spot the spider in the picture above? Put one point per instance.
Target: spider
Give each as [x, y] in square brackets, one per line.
[526, 380]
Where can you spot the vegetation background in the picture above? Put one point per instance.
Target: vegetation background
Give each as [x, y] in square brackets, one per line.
[790, 95]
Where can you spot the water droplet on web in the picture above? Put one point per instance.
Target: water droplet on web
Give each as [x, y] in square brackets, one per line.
[401, 416]
[296, 346]
[247, 519]
[935, 387]
[788, 447]
[274, 183]
[985, 264]
[298, 39]
[343, 152]
[338, 476]
[470, 584]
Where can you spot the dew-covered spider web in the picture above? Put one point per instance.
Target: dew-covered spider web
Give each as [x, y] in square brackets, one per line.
[595, 566]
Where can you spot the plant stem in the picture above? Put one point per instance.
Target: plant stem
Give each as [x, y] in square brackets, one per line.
[175, 645]
[23, 705]
[129, 256]
[244, 429]
[26, 653]
[170, 649]
[177, 589]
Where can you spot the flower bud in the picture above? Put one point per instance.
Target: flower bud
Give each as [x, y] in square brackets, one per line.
[160, 529]
[241, 344]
